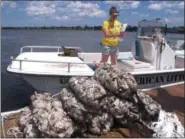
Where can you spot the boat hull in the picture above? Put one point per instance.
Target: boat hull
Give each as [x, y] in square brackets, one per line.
[50, 84]
[179, 62]
[159, 79]
[145, 81]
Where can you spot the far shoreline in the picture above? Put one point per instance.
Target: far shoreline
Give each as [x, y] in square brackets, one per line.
[178, 30]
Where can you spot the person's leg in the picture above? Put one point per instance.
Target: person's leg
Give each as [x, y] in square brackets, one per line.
[114, 55]
[104, 58]
[113, 59]
[105, 54]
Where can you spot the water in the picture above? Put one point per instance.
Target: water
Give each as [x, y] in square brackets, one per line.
[15, 92]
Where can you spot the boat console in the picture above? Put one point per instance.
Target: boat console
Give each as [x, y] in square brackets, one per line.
[150, 50]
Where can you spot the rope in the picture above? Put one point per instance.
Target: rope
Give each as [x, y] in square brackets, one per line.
[13, 131]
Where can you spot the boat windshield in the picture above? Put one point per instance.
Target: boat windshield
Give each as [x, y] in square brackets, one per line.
[183, 46]
[149, 28]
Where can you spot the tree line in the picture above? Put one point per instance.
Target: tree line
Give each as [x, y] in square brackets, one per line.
[179, 29]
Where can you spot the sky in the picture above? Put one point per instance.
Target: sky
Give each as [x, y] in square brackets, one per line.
[91, 13]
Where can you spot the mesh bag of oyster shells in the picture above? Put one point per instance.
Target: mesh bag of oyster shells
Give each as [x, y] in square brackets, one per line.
[148, 107]
[116, 81]
[72, 106]
[47, 115]
[122, 110]
[167, 125]
[100, 123]
[95, 123]
[88, 91]
[75, 110]
[27, 126]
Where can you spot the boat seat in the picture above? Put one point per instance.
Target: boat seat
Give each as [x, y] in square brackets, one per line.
[135, 65]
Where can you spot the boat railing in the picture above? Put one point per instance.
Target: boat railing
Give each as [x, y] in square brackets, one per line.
[40, 47]
[54, 62]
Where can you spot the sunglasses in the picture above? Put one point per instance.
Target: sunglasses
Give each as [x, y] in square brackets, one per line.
[115, 14]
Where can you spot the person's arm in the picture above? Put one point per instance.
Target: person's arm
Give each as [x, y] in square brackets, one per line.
[106, 33]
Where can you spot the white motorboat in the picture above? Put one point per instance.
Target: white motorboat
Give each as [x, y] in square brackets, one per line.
[151, 61]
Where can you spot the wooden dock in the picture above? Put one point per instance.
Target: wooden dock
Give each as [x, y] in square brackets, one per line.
[170, 98]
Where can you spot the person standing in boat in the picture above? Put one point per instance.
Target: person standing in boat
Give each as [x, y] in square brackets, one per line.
[112, 30]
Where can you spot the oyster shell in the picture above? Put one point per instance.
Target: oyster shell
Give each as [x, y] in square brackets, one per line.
[47, 117]
[122, 110]
[99, 124]
[88, 91]
[149, 107]
[72, 106]
[116, 81]
[90, 104]
[95, 122]
[27, 125]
